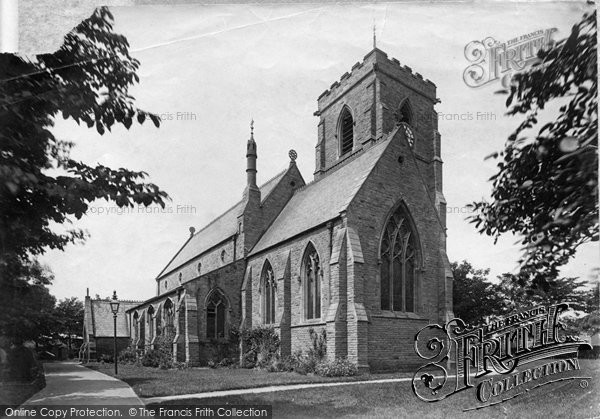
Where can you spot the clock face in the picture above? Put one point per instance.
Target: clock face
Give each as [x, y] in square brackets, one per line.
[410, 136]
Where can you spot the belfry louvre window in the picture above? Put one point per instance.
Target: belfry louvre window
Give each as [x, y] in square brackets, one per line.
[405, 114]
[346, 133]
[312, 283]
[269, 290]
[398, 264]
[215, 316]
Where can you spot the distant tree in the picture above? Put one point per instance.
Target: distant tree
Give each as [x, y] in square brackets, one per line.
[592, 299]
[86, 80]
[69, 319]
[591, 322]
[27, 307]
[513, 297]
[473, 295]
[546, 189]
[477, 299]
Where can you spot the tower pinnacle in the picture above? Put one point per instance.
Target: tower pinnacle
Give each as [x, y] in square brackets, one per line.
[251, 157]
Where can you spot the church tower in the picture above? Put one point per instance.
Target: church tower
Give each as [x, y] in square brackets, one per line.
[367, 103]
[396, 221]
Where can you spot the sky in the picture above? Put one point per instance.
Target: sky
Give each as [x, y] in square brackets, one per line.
[208, 70]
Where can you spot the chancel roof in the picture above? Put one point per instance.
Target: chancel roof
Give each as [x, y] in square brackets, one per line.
[99, 320]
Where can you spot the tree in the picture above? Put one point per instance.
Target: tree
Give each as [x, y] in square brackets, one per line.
[27, 306]
[513, 297]
[476, 299]
[546, 188]
[86, 80]
[473, 295]
[69, 318]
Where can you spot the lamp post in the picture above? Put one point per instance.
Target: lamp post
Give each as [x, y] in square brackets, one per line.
[114, 307]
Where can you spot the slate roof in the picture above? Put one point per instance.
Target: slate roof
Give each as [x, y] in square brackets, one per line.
[98, 318]
[322, 200]
[216, 231]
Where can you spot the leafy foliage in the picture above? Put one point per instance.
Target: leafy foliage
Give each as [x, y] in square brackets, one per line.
[338, 368]
[161, 356]
[225, 352]
[477, 299]
[513, 297]
[27, 306]
[546, 189]
[473, 295]
[129, 355]
[261, 346]
[318, 341]
[69, 318]
[86, 80]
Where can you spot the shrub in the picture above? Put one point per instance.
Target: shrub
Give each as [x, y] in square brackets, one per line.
[221, 349]
[151, 358]
[304, 363]
[106, 358]
[307, 363]
[161, 356]
[319, 344]
[129, 355]
[180, 365]
[340, 367]
[248, 360]
[281, 364]
[262, 345]
[227, 362]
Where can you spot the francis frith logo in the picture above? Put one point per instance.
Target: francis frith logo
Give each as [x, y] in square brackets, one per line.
[501, 359]
[492, 60]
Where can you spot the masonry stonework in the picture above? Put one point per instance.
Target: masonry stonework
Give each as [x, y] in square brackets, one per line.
[324, 239]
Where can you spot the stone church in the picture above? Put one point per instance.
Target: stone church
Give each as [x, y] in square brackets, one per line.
[359, 250]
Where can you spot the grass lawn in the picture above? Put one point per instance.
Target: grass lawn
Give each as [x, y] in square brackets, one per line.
[396, 400]
[151, 382]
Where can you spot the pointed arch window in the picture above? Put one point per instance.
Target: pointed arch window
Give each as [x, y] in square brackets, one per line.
[405, 118]
[142, 337]
[405, 114]
[136, 326]
[169, 315]
[312, 276]
[399, 262]
[269, 291]
[346, 134]
[215, 316]
[150, 323]
[158, 321]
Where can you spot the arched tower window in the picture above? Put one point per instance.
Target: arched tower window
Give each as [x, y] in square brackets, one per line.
[216, 308]
[269, 291]
[399, 262]
[346, 131]
[405, 113]
[312, 274]
[404, 117]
